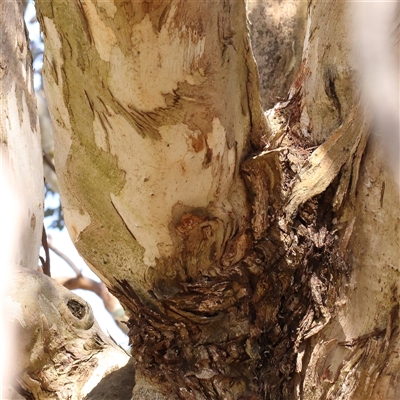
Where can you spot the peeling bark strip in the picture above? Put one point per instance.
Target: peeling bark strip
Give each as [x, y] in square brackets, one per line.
[263, 175]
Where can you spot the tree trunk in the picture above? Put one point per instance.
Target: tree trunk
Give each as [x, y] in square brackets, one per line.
[52, 347]
[243, 246]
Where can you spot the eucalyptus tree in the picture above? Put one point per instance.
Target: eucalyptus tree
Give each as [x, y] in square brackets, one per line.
[255, 250]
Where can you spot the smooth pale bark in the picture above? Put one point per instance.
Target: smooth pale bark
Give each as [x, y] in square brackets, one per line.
[21, 174]
[160, 129]
[20, 146]
[237, 289]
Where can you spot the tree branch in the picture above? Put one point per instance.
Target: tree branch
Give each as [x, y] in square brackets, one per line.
[45, 263]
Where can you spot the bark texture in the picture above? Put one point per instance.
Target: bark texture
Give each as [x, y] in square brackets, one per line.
[62, 353]
[242, 246]
[172, 126]
[350, 351]
[149, 165]
[52, 348]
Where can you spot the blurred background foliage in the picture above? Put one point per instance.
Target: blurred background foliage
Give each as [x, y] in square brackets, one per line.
[53, 211]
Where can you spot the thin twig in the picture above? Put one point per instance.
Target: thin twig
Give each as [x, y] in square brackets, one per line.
[48, 161]
[45, 264]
